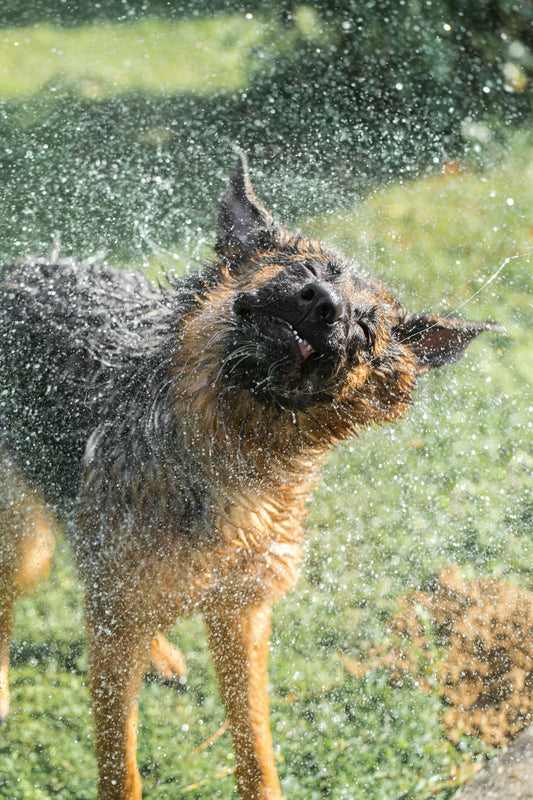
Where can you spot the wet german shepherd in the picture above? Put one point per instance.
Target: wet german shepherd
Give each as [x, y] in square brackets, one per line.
[177, 433]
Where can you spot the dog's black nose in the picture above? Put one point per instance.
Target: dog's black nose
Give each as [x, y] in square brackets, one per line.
[320, 302]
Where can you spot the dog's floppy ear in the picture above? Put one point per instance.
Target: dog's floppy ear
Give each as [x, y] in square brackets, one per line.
[438, 340]
[243, 224]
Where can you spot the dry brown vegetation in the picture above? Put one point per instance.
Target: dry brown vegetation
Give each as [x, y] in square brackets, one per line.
[486, 629]
[475, 639]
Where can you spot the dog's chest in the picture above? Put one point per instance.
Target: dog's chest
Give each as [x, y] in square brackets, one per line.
[264, 532]
[252, 552]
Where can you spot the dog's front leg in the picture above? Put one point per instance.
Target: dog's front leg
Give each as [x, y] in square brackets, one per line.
[118, 656]
[239, 642]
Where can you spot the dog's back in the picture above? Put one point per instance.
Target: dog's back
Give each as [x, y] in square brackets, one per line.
[79, 342]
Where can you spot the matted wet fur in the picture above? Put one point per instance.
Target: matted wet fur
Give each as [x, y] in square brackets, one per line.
[177, 434]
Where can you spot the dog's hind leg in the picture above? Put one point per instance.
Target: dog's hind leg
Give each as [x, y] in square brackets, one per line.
[26, 544]
[239, 643]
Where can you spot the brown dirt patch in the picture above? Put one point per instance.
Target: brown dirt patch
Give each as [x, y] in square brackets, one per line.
[486, 629]
[477, 636]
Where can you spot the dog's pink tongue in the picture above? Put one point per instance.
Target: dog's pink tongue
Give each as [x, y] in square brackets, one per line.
[305, 348]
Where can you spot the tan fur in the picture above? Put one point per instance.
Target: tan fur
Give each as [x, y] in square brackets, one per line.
[26, 545]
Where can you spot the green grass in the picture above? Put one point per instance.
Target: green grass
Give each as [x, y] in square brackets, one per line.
[450, 483]
[104, 59]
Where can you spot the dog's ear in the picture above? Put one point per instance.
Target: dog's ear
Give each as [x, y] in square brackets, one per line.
[438, 340]
[243, 224]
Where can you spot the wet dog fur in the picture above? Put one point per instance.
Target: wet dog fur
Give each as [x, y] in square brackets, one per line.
[177, 434]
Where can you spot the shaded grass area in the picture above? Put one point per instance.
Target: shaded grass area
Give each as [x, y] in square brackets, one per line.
[450, 483]
[110, 131]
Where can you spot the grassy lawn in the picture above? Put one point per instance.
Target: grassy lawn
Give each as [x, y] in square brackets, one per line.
[104, 59]
[451, 483]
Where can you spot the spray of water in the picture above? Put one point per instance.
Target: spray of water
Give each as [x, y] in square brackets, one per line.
[488, 281]
[481, 289]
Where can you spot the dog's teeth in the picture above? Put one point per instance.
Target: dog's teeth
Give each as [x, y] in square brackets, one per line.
[305, 348]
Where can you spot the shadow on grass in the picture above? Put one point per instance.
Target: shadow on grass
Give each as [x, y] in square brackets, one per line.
[129, 176]
[67, 656]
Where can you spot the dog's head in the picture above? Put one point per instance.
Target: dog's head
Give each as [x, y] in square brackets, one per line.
[309, 329]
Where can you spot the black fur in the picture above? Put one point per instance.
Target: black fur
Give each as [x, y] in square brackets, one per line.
[86, 353]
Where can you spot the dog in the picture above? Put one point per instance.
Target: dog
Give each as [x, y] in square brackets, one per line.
[177, 432]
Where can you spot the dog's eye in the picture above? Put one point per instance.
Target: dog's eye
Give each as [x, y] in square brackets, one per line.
[366, 332]
[312, 269]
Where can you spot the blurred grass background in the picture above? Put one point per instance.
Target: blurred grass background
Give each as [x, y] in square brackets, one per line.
[104, 59]
[116, 129]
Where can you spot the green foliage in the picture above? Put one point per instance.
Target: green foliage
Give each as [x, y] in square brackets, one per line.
[107, 59]
[394, 84]
[79, 12]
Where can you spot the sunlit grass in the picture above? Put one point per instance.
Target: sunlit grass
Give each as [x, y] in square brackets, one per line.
[450, 483]
[439, 239]
[103, 59]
